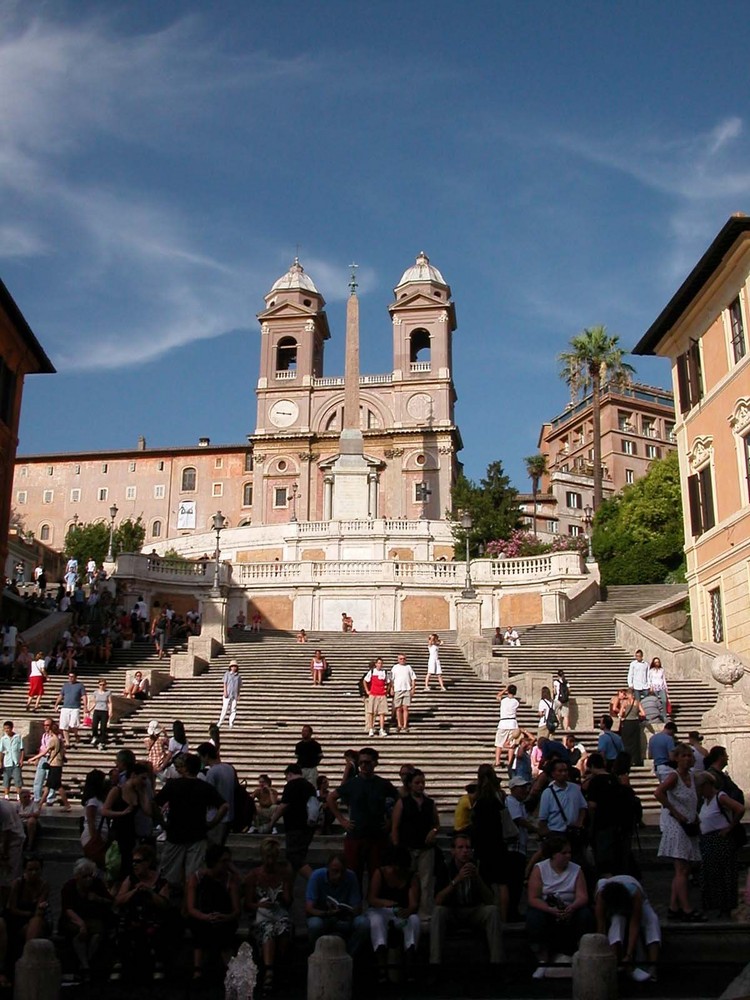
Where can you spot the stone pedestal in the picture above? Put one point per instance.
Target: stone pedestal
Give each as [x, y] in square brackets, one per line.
[727, 724]
[594, 969]
[329, 970]
[468, 618]
[37, 974]
[213, 611]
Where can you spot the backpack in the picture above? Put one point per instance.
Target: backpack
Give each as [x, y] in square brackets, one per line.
[551, 721]
[244, 807]
[564, 694]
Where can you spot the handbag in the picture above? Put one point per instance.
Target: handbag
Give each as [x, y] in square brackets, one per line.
[113, 861]
[691, 827]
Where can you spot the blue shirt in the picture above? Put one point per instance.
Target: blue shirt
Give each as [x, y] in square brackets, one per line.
[559, 817]
[609, 745]
[659, 747]
[319, 889]
[72, 694]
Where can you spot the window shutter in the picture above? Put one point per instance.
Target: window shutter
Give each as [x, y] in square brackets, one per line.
[707, 498]
[694, 500]
[683, 384]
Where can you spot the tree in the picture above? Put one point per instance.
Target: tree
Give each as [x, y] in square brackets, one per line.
[536, 467]
[91, 541]
[639, 534]
[595, 360]
[493, 506]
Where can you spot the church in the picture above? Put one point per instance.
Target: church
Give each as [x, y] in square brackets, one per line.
[344, 478]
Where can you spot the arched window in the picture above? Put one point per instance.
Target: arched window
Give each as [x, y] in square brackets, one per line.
[156, 529]
[286, 355]
[419, 346]
[247, 495]
[188, 479]
[44, 533]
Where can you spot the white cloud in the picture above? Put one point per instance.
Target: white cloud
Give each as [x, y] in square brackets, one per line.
[19, 241]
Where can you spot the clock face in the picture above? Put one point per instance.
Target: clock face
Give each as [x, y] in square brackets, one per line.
[283, 413]
[419, 406]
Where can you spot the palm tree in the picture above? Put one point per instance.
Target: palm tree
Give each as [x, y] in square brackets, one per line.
[536, 466]
[594, 360]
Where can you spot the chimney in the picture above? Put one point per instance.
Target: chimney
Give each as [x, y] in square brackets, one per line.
[141, 443]
[204, 442]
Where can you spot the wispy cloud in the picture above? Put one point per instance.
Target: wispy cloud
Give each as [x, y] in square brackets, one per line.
[153, 277]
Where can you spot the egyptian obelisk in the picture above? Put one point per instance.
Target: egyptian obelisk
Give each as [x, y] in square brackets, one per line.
[350, 490]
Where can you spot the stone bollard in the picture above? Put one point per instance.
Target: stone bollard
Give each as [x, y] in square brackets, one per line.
[594, 969]
[329, 970]
[38, 974]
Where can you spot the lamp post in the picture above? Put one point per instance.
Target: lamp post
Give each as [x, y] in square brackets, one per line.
[466, 524]
[75, 520]
[219, 523]
[112, 516]
[295, 488]
[588, 520]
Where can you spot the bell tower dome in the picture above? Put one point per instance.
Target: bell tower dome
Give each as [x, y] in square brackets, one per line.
[424, 319]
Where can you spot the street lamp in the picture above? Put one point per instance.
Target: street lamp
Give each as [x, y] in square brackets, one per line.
[466, 524]
[75, 520]
[295, 488]
[112, 516]
[219, 523]
[588, 520]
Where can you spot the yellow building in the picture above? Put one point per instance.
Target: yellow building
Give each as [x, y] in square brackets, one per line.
[703, 330]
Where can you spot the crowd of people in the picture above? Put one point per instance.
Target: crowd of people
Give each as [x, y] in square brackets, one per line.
[553, 846]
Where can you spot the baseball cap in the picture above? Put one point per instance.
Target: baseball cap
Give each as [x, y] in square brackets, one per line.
[518, 782]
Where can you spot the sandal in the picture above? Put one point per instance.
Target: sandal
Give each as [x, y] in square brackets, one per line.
[694, 917]
[197, 974]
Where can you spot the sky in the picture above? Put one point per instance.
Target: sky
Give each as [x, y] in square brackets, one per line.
[161, 164]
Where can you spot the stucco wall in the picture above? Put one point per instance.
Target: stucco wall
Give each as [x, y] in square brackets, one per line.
[521, 609]
[429, 613]
[275, 611]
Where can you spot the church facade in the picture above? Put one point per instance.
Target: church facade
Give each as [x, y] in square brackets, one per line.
[283, 474]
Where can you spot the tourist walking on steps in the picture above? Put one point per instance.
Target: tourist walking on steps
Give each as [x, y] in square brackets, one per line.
[679, 826]
[230, 693]
[377, 683]
[638, 675]
[657, 683]
[404, 682]
[433, 661]
[507, 728]
[631, 714]
[101, 714]
[37, 677]
[561, 699]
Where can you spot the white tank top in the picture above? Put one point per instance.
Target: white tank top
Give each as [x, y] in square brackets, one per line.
[560, 884]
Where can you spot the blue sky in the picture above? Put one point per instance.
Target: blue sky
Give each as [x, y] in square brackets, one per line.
[564, 165]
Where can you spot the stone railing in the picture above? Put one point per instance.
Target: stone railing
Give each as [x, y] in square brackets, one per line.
[484, 572]
[173, 571]
[360, 526]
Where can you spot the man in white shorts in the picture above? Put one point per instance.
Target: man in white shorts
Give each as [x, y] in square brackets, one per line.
[404, 682]
[73, 698]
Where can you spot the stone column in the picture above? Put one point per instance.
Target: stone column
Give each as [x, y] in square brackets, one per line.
[727, 724]
[594, 969]
[327, 498]
[213, 610]
[329, 970]
[468, 618]
[38, 974]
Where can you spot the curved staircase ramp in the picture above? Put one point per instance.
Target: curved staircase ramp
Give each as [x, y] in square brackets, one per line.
[452, 733]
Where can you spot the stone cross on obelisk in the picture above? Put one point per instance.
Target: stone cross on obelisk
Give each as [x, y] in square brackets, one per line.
[350, 470]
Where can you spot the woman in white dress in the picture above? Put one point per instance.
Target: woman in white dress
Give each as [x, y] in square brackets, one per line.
[679, 831]
[507, 728]
[433, 662]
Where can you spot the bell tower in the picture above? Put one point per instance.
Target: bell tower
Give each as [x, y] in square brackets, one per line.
[424, 319]
[294, 329]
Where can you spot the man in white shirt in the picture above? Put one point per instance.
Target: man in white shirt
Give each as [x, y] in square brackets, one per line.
[638, 675]
[404, 685]
[511, 637]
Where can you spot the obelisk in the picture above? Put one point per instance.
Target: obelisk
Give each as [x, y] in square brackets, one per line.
[350, 487]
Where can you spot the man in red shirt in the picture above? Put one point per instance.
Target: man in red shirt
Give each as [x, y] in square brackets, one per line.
[377, 682]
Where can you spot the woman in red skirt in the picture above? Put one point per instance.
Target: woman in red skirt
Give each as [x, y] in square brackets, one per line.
[37, 677]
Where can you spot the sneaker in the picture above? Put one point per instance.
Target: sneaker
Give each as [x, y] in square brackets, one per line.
[639, 976]
[383, 732]
[371, 732]
[540, 972]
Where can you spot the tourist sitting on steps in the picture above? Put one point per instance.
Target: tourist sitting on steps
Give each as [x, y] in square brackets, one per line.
[333, 905]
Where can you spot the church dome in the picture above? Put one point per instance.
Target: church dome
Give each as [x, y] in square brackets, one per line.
[295, 277]
[421, 270]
